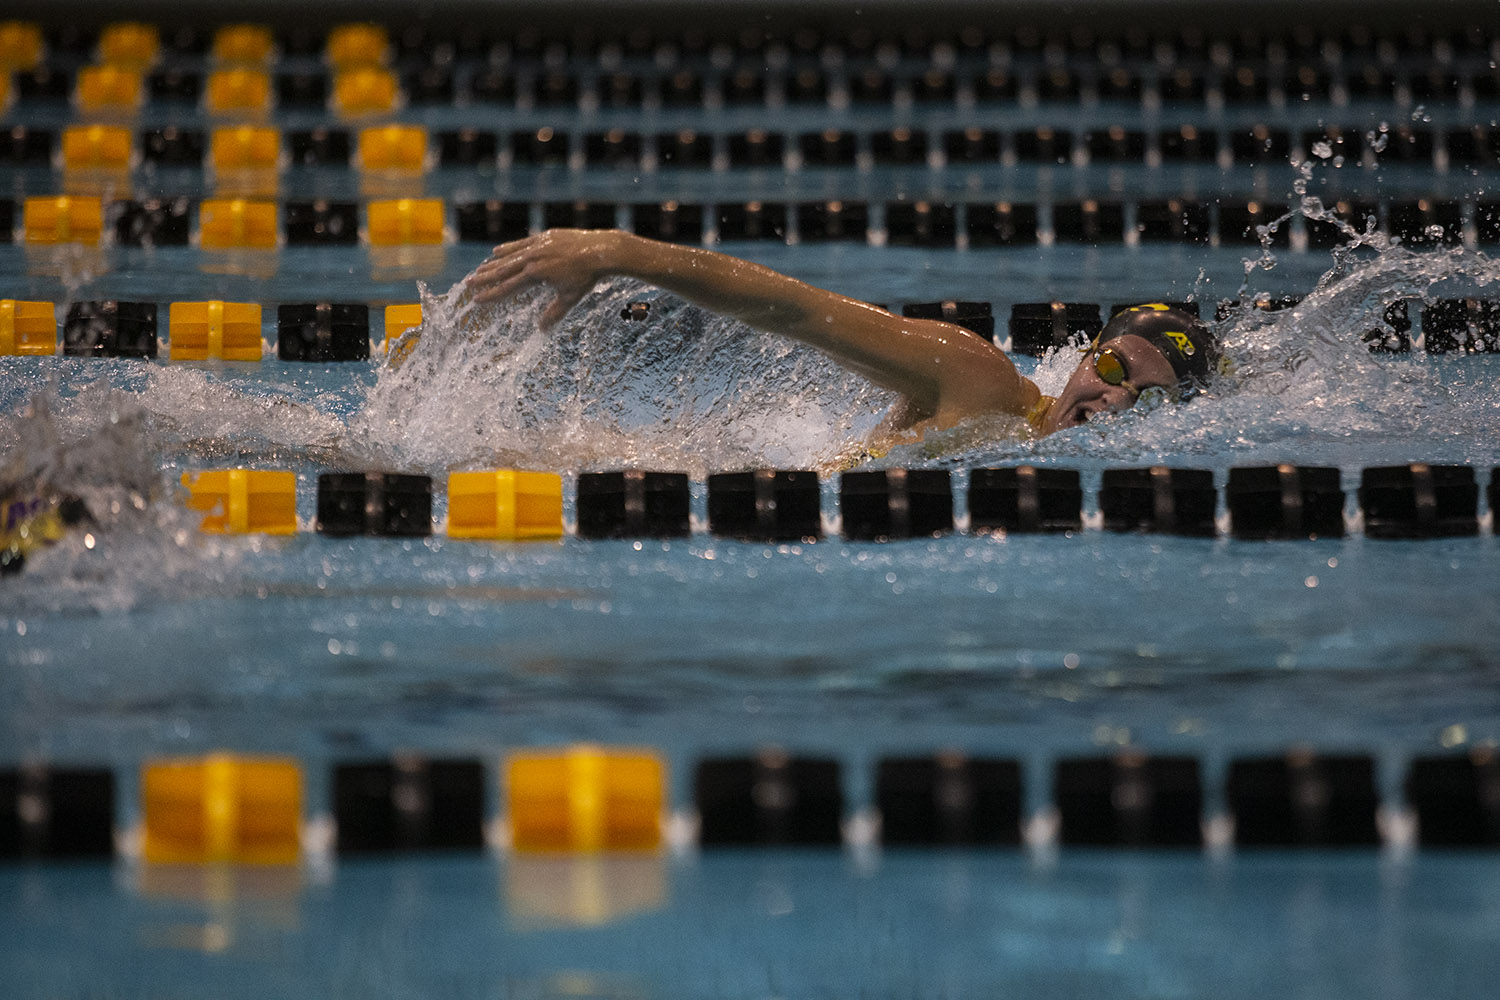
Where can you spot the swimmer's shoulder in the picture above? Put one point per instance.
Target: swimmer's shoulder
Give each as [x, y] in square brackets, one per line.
[994, 387]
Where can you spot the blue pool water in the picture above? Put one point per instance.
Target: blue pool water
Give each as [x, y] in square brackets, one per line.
[788, 925]
[1030, 647]
[148, 639]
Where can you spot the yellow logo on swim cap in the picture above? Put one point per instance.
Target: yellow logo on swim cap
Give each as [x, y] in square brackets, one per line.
[1181, 340]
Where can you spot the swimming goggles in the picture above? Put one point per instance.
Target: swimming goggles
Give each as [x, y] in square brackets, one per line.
[1109, 365]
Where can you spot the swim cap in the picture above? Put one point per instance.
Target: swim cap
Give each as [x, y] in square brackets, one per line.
[1183, 340]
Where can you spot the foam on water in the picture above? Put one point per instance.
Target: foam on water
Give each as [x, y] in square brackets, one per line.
[683, 389]
[184, 411]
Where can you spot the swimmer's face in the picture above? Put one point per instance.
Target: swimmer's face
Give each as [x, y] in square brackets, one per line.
[1087, 393]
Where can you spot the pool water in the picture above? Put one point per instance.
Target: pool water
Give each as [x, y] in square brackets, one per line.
[147, 639]
[776, 925]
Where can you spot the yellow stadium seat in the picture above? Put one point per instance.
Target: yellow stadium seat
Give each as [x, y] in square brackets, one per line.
[27, 327]
[393, 147]
[244, 147]
[222, 808]
[237, 223]
[243, 43]
[96, 147]
[51, 220]
[108, 88]
[351, 45]
[237, 91]
[406, 222]
[203, 331]
[399, 319]
[364, 91]
[244, 501]
[505, 505]
[129, 44]
[585, 799]
[20, 46]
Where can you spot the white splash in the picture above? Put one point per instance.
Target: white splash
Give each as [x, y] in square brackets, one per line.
[682, 389]
[135, 542]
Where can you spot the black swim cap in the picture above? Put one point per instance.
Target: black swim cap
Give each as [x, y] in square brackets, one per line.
[1183, 340]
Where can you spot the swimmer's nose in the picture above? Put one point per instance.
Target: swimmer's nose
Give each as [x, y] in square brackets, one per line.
[1114, 400]
[1117, 399]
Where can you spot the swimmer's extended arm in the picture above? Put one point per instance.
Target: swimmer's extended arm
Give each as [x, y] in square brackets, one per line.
[946, 371]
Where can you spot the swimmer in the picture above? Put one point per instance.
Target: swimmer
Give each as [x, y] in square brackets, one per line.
[944, 373]
[32, 519]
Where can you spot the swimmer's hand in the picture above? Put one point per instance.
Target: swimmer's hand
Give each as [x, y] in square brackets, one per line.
[568, 261]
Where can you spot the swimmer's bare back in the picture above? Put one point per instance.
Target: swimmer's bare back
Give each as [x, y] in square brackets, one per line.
[946, 373]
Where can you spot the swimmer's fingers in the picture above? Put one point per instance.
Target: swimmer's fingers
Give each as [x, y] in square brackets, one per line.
[493, 272]
[531, 257]
[497, 279]
[505, 284]
[559, 259]
[553, 243]
[503, 256]
[495, 284]
[507, 249]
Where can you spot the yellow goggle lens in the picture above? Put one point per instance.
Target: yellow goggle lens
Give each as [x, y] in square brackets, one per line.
[1109, 367]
